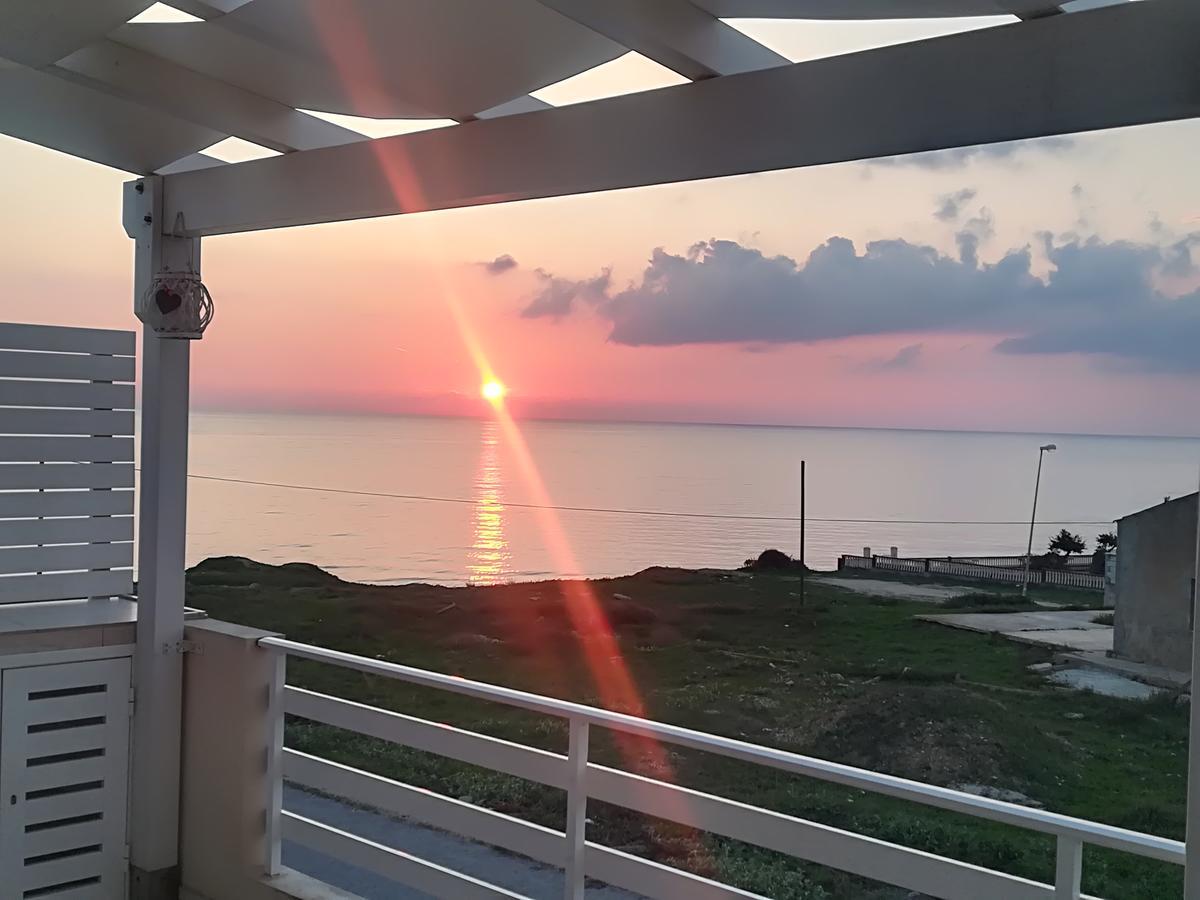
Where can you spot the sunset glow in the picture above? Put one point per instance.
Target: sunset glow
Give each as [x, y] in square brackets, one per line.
[493, 391]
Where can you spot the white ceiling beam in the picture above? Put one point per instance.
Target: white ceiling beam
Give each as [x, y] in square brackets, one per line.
[1124, 65]
[156, 83]
[673, 33]
[190, 163]
[867, 9]
[35, 33]
[43, 109]
[515, 107]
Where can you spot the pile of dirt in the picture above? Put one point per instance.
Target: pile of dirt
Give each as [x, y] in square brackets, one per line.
[905, 731]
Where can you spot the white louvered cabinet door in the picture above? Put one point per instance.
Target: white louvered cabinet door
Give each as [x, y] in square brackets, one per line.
[64, 777]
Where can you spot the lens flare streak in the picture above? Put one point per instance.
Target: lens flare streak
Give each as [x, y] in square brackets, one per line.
[349, 49]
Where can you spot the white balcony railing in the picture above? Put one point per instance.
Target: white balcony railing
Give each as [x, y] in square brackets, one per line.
[893, 864]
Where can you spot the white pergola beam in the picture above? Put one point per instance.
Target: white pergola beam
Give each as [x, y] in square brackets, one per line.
[674, 33]
[1124, 65]
[35, 33]
[832, 10]
[153, 82]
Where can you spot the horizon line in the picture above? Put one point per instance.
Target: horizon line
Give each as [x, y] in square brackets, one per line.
[586, 420]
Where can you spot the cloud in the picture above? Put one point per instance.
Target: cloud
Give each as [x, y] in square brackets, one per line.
[906, 357]
[1179, 262]
[500, 265]
[950, 206]
[556, 297]
[958, 157]
[1159, 336]
[1102, 298]
[975, 231]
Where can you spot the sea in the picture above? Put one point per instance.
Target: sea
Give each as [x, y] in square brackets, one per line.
[391, 499]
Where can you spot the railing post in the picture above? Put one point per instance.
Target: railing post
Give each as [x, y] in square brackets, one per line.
[577, 760]
[274, 780]
[1068, 874]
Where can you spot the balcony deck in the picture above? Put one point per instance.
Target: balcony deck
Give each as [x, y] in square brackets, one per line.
[299, 820]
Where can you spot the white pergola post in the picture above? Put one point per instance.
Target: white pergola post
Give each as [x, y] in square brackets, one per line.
[162, 516]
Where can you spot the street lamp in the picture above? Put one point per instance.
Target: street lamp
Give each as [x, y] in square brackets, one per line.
[1042, 451]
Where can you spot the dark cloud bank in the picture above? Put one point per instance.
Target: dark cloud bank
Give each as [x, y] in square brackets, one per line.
[1099, 298]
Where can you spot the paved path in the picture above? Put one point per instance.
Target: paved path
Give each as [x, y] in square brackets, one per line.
[1057, 629]
[925, 593]
[516, 873]
[1156, 676]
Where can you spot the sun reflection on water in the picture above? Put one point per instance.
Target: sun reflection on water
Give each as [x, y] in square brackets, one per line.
[489, 559]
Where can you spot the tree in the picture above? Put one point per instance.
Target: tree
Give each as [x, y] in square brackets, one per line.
[1107, 541]
[1066, 543]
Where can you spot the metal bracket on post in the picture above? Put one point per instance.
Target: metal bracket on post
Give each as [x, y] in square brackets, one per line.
[182, 647]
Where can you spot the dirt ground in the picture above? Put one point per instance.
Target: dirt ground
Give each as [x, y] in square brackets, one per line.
[921, 593]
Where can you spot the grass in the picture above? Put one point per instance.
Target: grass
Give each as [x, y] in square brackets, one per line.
[990, 603]
[843, 678]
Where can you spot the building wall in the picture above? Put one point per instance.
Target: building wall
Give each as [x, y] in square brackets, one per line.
[1156, 565]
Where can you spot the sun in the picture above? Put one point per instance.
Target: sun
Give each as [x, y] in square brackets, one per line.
[493, 391]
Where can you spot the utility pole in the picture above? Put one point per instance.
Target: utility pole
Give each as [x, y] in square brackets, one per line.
[803, 567]
[1042, 451]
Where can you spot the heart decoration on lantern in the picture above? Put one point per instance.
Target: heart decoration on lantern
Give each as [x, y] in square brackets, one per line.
[176, 305]
[167, 300]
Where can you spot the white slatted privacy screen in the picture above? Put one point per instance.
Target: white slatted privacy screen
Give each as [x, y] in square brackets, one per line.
[66, 462]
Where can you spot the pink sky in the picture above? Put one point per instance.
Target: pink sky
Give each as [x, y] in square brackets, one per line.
[356, 316]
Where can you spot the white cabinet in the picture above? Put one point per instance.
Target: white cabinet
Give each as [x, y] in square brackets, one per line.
[64, 779]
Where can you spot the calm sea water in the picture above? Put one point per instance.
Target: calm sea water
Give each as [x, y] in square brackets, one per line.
[910, 479]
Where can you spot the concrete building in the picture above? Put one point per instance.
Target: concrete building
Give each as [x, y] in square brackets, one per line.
[1156, 584]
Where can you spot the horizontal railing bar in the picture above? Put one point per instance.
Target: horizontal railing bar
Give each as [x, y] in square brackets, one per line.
[1094, 833]
[389, 862]
[499, 830]
[653, 879]
[395, 797]
[857, 854]
[518, 760]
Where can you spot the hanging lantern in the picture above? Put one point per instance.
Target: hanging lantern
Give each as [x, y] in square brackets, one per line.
[176, 305]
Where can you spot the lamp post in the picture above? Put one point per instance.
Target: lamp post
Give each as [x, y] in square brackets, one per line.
[1042, 451]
